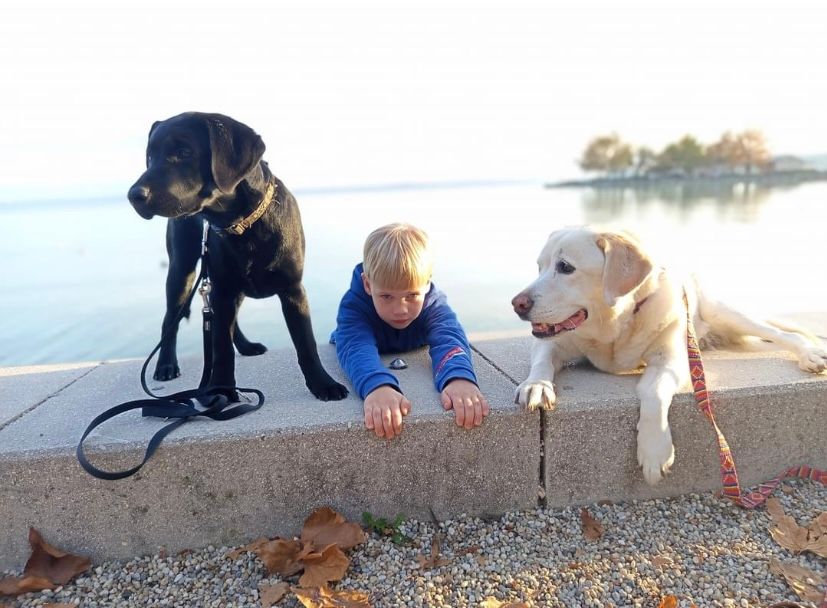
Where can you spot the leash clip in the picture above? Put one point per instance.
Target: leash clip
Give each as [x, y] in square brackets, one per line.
[204, 290]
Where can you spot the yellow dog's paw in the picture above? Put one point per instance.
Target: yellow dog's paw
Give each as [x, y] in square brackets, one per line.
[536, 394]
[813, 360]
[655, 452]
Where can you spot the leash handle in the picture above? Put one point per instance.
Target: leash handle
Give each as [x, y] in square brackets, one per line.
[180, 406]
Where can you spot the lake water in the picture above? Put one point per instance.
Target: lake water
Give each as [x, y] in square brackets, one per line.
[85, 280]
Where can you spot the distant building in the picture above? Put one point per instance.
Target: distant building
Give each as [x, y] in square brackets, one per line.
[789, 163]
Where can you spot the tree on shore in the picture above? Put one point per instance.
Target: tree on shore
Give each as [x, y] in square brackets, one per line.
[753, 151]
[607, 154]
[747, 150]
[686, 155]
[724, 152]
[645, 160]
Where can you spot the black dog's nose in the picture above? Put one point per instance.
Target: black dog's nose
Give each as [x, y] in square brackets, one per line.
[138, 194]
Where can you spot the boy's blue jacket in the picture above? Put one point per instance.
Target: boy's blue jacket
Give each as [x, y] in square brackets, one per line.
[360, 336]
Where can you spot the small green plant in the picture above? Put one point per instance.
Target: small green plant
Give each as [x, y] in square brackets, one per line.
[383, 527]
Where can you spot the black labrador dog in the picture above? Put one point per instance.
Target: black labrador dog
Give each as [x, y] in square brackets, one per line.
[208, 166]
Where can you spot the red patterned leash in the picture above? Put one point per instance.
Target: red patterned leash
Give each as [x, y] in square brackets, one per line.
[729, 476]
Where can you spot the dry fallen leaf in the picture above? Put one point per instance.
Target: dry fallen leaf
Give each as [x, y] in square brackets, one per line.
[15, 585]
[272, 594]
[434, 561]
[319, 552]
[324, 597]
[327, 527]
[62, 605]
[787, 533]
[802, 580]
[492, 602]
[662, 561]
[327, 565]
[253, 547]
[46, 568]
[50, 562]
[670, 601]
[592, 529]
[281, 556]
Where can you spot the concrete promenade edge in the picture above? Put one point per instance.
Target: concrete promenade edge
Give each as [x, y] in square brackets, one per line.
[263, 473]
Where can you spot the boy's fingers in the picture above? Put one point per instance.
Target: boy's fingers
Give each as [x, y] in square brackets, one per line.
[469, 413]
[477, 412]
[446, 402]
[369, 418]
[459, 412]
[405, 406]
[377, 422]
[386, 422]
[396, 419]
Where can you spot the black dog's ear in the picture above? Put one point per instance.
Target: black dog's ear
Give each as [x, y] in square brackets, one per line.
[236, 149]
[151, 129]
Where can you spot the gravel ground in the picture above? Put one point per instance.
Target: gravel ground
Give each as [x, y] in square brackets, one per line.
[699, 548]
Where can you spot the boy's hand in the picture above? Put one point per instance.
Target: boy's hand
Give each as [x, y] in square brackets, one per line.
[384, 408]
[469, 406]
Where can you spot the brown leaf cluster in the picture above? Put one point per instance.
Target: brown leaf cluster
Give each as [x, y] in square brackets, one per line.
[47, 568]
[592, 529]
[790, 535]
[319, 552]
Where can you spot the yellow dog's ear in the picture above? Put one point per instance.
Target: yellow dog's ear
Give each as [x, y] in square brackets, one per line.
[625, 268]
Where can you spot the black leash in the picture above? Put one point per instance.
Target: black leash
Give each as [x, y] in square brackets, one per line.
[184, 405]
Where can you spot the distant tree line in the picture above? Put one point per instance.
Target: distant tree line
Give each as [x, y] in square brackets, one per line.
[744, 152]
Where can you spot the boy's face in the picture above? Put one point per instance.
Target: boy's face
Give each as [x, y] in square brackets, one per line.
[396, 307]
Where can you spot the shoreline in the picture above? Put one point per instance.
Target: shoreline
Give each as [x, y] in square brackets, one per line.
[769, 179]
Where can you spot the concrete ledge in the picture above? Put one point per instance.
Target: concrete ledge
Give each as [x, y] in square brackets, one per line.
[261, 474]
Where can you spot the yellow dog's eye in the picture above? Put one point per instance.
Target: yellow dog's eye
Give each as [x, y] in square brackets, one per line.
[563, 267]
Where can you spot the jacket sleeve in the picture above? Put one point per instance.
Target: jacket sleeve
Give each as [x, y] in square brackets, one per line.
[357, 351]
[449, 348]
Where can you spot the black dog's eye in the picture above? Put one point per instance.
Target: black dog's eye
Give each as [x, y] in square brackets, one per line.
[563, 267]
[183, 153]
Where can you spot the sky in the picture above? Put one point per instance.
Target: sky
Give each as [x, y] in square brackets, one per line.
[355, 93]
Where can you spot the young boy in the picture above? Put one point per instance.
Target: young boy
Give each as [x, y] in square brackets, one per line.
[392, 306]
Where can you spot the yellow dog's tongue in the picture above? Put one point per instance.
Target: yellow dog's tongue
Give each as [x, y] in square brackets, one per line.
[572, 322]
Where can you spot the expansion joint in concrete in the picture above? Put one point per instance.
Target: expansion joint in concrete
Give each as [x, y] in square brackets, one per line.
[33, 407]
[541, 487]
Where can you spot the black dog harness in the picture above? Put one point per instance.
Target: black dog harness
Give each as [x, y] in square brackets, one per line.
[185, 405]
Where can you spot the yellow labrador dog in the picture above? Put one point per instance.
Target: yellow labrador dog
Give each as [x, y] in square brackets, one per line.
[600, 296]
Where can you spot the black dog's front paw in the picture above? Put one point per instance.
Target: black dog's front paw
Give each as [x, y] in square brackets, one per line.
[327, 389]
[166, 371]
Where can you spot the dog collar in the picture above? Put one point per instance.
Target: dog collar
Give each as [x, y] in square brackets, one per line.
[241, 226]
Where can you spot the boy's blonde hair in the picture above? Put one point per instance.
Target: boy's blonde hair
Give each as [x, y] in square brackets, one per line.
[398, 256]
